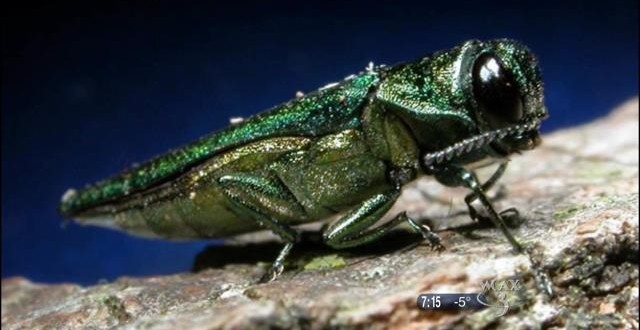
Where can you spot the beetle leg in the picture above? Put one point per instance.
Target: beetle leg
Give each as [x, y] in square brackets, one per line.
[352, 229]
[542, 278]
[257, 197]
[471, 181]
[458, 176]
[454, 176]
[511, 215]
[424, 230]
[492, 180]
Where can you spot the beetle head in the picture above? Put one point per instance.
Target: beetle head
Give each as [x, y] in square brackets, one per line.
[475, 100]
[505, 82]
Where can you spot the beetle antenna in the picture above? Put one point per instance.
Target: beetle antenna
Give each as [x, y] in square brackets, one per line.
[476, 142]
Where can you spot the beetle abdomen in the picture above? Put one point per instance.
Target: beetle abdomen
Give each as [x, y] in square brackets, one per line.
[192, 205]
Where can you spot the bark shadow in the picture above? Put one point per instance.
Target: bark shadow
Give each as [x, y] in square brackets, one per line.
[310, 246]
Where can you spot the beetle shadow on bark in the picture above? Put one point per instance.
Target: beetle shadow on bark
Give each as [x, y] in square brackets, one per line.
[310, 246]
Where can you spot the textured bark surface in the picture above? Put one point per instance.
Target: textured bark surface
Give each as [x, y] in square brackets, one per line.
[577, 194]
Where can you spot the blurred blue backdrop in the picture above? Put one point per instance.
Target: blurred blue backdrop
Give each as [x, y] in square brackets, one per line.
[87, 91]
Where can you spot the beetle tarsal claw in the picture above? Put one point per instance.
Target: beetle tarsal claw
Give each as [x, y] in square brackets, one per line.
[272, 273]
[433, 240]
[511, 217]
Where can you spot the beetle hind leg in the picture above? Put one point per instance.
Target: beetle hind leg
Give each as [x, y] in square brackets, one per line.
[267, 202]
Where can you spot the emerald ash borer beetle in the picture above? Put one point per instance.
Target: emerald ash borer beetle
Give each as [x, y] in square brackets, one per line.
[347, 148]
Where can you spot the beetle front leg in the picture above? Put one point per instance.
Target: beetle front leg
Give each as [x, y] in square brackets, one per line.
[258, 198]
[510, 215]
[454, 176]
[471, 181]
[352, 229]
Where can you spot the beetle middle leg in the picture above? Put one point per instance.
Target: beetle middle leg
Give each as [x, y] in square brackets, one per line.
[352, 229]
[259, 198]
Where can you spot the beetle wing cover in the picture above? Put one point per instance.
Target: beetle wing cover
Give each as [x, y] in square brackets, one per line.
[324, 111]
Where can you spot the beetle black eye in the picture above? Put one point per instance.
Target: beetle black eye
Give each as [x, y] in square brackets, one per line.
[495, 89]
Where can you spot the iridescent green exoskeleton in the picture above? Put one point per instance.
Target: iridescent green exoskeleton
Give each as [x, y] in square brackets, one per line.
[347, 149]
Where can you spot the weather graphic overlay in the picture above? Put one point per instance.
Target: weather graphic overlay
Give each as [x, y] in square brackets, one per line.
[450, 301]
[498, 295]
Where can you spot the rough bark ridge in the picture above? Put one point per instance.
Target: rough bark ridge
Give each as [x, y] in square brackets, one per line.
[577, 193]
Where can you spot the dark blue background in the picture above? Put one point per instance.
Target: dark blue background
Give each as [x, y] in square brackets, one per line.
[88, 91]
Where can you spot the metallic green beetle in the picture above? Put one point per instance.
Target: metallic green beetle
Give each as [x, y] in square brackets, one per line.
[347, 148]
